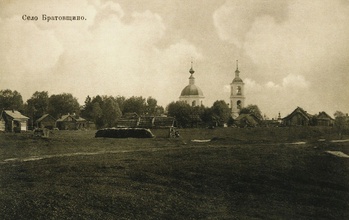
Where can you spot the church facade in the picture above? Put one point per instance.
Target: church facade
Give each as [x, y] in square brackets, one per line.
[192, 94]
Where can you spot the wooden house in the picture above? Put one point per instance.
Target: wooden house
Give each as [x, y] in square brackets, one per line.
[247, 120]
[71, 122]
[128, 120]
[13, 121]
[298, 117]
[164, 122]
[132, 120]
[323, 119]
[46, 121]
[156, 122]
[146, 122]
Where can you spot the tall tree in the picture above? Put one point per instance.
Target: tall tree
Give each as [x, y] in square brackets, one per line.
[182, 112]
[96, 115]
[104, 111]
[252, 109]
[151, 106]
[86, 111]
[340, 122]
[62, 104]
[37, 105]
[135, 104]
[120, 100]
[111, 111]
[221, 112]
[95, 111]
[159, 110]
[11, 100]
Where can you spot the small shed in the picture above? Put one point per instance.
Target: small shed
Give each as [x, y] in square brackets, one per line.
[71, 122]
[13, 121]
[46, 121]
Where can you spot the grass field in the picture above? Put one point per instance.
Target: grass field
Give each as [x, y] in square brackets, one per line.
[261, 173]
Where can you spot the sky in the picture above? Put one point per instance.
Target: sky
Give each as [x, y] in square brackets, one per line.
[291, 53]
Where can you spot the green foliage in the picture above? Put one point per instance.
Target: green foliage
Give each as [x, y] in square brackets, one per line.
[221, 112]
[252, 109]
[38, 104]
[186, 115]
[341, 122]
[11, 100]
[121, 100]
[151, 105]
[96, 115]
[110, 112]
[103, 111]
[140, 105]
[181, 111]
[135, 104]
[62, 104]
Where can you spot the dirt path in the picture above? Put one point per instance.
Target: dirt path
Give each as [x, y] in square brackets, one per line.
[202, 145]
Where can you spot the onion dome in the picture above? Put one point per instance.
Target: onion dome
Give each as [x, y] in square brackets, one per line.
[191, 89]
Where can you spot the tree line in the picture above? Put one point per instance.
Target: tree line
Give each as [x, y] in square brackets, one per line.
[104, 111]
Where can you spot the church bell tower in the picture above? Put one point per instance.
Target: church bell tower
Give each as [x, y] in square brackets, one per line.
[237, 94]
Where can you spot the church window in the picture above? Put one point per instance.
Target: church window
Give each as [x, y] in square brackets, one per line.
[238, 90]
[238, 103]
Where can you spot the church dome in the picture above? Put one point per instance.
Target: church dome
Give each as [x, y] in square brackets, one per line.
[237, 79]
[191, 90]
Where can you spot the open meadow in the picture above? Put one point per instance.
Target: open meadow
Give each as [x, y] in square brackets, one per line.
[222, 173]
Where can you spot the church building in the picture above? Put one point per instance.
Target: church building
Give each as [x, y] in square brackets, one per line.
[237, 94]
[192, 94]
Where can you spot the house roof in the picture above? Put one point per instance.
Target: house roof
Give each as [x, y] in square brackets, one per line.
[130, 115]
[127, 122]
[15, 114]
[252, 116]
[74, 117]
[43, 117]
[323, 115]
[251, 119]
[161, 121]
[300, 111]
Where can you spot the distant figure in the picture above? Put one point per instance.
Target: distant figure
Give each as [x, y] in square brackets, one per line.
[173, 133]
[46, 132]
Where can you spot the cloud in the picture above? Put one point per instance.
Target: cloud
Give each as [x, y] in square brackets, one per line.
[234, 19]
[295, 81]
[104, 55]
[302, 47]
[275, 96]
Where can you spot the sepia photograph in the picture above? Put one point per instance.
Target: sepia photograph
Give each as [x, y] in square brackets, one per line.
[174, 109]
